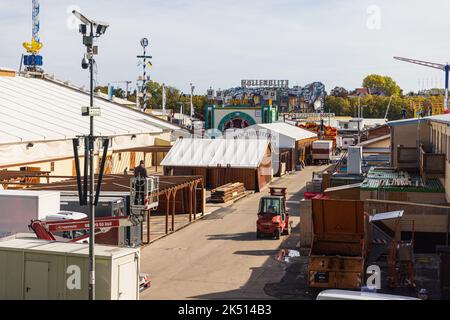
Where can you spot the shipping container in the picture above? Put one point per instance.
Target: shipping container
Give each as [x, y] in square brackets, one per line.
[32, 269]
[339, 246]
[322, 151]
[306, 233]
[18, 208]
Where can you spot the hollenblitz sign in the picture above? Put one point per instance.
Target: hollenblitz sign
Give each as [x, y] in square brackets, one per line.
[265, 83]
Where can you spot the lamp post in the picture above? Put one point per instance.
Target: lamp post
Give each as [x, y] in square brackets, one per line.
[192, 101]
[145, 79]
[88, 62]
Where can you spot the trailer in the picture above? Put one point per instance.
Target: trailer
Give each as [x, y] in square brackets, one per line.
[107, 206]
[338, 250]
[19, 207]
[114, 206]
[32, 269]
[322, 151]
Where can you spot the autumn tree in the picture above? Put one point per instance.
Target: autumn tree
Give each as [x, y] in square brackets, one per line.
[381, 85]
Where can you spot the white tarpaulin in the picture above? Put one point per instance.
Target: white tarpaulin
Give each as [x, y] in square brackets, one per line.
[235, 153]
[39, 118]
[33, 110]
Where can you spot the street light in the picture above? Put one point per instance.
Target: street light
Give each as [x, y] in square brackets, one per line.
[192, 101]
[96, 29]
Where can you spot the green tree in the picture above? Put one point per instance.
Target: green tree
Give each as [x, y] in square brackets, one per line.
[337, 105]
[382, 85]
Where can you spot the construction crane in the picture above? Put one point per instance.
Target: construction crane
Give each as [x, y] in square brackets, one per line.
[32, 60]
[442, 67]
[388, 107]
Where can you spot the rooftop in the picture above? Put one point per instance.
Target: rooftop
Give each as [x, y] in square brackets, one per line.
[288, 130]
[398, 181]
[119, 183]
[34, 110]
[206, 153]
[58, 248]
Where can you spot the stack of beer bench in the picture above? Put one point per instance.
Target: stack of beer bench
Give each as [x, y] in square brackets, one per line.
[228, 192]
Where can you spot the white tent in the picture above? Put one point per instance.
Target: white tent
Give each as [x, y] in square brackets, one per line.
[284, 135]
[204, 153]
[39, 117]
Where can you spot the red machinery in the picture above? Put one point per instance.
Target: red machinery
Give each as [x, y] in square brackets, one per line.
[273, 218]
[329, 134]
[46, 230]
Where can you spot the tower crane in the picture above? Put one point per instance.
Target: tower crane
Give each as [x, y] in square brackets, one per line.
[442, 67]
[33, 60]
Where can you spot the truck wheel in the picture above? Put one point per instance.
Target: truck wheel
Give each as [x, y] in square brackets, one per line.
[278, 234]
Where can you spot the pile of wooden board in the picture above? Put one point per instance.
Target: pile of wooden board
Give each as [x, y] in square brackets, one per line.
[228, 192]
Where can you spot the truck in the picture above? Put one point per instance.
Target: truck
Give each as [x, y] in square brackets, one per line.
[339, 249]
[18, 207]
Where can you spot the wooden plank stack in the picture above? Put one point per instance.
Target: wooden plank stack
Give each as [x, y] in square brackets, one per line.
[228, 192]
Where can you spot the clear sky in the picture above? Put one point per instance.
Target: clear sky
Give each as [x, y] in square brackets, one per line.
[218, 43]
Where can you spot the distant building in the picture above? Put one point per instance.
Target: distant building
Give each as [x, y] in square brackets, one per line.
[238, 117]
[360, 92]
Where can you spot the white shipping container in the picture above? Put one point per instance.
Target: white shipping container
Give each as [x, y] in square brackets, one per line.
[354, 160]
[19, 207]
[32, 269]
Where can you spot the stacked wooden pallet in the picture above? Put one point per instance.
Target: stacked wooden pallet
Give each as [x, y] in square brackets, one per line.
[228, 192]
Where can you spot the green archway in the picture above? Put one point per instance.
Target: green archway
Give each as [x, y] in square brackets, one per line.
[235, 115]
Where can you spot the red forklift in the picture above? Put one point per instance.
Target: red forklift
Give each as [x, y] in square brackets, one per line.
[273, 217]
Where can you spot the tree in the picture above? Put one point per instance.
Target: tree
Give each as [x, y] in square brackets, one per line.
[337, 105]
[381, 85]
[118, 92]
[339, 92]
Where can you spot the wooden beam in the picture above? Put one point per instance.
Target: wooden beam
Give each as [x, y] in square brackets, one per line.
[148, 226]
[190, 201]
[167, 210]
[195, 202]
[173, 210]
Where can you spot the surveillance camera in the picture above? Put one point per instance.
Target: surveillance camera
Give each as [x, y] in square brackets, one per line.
[83, 29]
[101, 28]
[85, 63]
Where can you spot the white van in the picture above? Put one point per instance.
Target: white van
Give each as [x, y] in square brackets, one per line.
[358, 295]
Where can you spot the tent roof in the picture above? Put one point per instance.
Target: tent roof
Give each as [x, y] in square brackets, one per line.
[236, 153]
[45, 110]
[288, 130]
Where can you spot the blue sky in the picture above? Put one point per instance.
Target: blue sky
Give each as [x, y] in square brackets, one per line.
[218, 43]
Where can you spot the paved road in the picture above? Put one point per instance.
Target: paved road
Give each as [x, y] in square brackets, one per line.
[219, 257]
